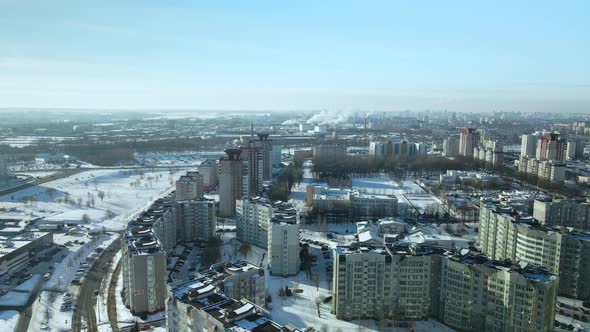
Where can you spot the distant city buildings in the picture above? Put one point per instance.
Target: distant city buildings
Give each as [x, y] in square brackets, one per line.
[451, 146]
[329, 150]
[468, 139]
[490, 152]
[389, 148]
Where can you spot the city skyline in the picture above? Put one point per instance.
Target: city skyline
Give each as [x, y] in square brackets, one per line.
[378, 56]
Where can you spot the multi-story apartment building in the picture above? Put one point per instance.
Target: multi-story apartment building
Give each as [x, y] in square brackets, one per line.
[252, 218]
[528, 147]
[195, 220]
[239, 280]
[396, 148]
[468, 139]
[189, 186]
[160, 219]
[283, 241]
[329, 150]
[560, 212]
[551, 147]
[209, 169]
[277, 156]
[264, 145]
[504, 235]
[231, 181]
[144, 271]
[465, 290]
[254, 168]
[451, 146]
[490, 152]
[549, 170]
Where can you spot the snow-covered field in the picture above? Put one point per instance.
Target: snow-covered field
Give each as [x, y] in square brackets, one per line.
[8, 320]
[101, 198]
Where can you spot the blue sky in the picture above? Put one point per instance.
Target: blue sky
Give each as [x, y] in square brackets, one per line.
[287, 55]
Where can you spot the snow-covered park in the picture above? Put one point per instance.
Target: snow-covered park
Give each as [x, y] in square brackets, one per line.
[99, 197]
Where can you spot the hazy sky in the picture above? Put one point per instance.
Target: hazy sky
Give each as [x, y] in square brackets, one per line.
[382, 55]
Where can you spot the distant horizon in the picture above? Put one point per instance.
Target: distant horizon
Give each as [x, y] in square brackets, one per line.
[195, 110]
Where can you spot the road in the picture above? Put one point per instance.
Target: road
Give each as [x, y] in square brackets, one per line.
[86, 297]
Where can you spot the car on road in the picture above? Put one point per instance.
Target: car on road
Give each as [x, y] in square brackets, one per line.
[28, 276]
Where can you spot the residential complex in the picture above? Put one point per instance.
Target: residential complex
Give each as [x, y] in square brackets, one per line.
[283, 242]
[144, 271]
[468, 139]
[561, 212]
[252, 218]
[195, 220]
[189, 186]
[465, 290]
[239, 280]
[231, 181]
[503, 234]
[209, 169]
[396, 148]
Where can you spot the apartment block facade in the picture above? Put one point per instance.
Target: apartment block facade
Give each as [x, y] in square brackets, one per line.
[465, 290]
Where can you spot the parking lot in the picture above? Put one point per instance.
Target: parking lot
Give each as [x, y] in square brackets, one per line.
[184, 262]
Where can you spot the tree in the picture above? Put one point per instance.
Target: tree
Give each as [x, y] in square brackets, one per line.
[50, 192]
[85, 218]
[109, 214]
[101, 195]
[318, 301]
[245, 249]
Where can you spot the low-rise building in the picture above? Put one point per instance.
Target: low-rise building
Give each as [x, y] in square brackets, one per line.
[199, 305]
[239, 280]
[16, 251]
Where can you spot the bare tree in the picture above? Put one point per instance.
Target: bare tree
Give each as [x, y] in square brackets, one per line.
[101, 195]
[85, 218]
[245, 249]
[109, 214]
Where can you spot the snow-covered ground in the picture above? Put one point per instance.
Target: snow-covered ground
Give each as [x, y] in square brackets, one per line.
[104, 197]
[46, 311]
[177, 159]
[8, 320]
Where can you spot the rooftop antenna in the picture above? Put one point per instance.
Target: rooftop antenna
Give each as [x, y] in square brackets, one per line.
[252, 131]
